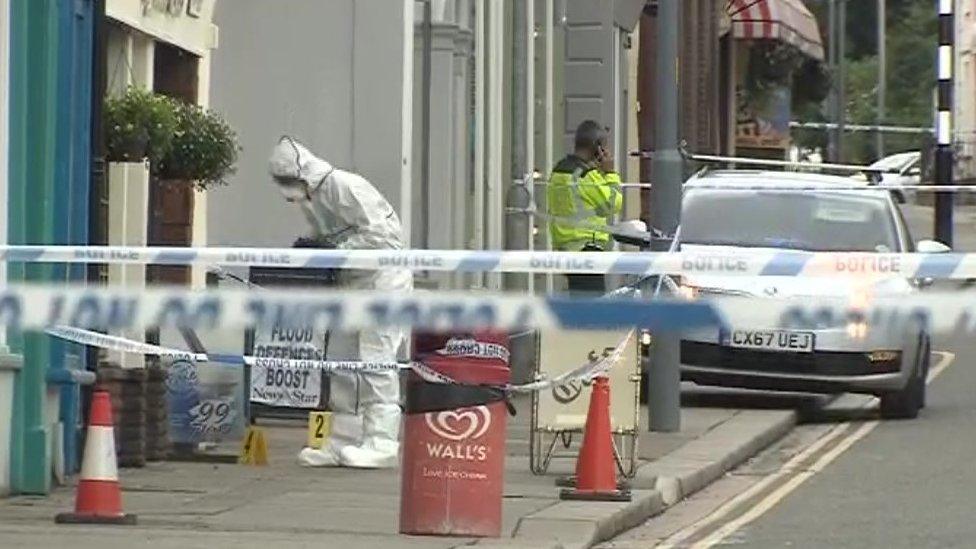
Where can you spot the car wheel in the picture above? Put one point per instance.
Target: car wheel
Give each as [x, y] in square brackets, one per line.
[906, 403]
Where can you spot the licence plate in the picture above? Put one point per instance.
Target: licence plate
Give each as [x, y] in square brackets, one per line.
[772, 340]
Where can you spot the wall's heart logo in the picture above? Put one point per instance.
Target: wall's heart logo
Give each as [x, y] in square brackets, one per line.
[564, 394]
[458, 425]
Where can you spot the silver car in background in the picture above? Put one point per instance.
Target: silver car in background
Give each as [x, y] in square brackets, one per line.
[752, 211]
[901, 170]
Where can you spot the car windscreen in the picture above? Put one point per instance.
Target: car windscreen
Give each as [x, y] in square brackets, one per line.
[812, 221]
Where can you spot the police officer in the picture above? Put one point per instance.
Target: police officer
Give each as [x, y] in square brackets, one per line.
[583, 193]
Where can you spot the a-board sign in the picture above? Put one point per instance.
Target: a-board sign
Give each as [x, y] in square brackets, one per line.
[278, 384]
[205, 401]
[564, 408]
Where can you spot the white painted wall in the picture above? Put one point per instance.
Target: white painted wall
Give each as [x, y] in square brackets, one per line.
[328, 73]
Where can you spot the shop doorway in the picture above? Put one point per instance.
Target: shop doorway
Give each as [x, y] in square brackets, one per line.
[175, 74]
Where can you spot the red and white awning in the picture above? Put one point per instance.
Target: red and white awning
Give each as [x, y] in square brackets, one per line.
[787, 20]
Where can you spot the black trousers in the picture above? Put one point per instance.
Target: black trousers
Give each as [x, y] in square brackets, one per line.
[590, 285]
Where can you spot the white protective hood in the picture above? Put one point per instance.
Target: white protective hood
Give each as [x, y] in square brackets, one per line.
[341, 206]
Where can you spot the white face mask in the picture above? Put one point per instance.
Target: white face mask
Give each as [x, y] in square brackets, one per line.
[293, 191]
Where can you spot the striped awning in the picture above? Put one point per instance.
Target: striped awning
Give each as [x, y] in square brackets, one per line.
[786, 20]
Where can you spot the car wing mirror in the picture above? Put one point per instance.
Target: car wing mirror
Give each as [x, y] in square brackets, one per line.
[932, 247]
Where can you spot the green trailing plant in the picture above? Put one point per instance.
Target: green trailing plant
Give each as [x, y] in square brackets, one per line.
[204, 148]
[139, 125]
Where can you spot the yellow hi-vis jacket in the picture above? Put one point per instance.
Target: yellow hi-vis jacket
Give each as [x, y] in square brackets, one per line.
[580, 197]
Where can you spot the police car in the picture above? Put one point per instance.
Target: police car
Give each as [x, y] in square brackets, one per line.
[739, 211]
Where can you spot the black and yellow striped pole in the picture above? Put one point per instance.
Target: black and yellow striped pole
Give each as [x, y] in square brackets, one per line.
[943, 123]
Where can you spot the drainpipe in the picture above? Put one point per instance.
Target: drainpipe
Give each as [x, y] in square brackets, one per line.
[97, 225]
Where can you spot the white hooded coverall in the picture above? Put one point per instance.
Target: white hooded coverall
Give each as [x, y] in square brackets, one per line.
[345, 209]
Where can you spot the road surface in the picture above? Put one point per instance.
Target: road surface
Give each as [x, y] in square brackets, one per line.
[846, 479]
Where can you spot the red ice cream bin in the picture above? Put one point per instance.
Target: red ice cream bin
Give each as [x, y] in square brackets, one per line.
[454, 443]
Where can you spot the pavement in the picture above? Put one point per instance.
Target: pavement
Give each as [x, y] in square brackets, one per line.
[189, 505]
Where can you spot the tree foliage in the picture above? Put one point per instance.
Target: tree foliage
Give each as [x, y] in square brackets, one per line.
[911, 53]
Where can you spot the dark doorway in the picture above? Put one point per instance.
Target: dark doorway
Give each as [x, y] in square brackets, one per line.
[175, 73]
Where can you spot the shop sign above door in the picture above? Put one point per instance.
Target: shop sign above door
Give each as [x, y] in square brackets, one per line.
[174, 8]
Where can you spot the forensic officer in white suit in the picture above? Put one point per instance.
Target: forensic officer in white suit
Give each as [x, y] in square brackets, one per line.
[344, 209]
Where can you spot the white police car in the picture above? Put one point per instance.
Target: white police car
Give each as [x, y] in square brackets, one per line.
[753, 211]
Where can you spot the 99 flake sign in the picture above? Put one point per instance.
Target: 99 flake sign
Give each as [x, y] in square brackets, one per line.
[212, 416]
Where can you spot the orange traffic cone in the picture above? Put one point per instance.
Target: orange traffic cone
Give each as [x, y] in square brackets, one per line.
[596, 471]
[99, 498]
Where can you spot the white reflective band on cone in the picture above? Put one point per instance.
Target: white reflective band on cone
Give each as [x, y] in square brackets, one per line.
[98, 462]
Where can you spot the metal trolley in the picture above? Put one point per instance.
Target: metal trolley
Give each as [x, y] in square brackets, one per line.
[560, 413]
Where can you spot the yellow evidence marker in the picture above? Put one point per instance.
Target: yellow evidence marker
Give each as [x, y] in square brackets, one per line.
[254, 450]
[319, 427]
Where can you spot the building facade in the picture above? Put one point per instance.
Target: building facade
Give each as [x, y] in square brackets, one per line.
[423, 104]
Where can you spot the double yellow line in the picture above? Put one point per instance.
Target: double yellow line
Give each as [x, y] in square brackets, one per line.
[739, 511]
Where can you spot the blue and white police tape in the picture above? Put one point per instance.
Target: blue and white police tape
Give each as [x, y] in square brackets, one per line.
[124, 345]
[726, 262]
[585, 372]
[44, 307]
[470, 348]
[792, 187]
[830, 188]
[113, 308]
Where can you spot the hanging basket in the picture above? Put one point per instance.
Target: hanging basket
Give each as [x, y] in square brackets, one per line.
[130, 148]
[139, 125]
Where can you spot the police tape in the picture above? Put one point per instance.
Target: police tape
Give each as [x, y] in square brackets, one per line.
[470, 348]
[831, 188]
[585, 372]
[121, 344]
[787, 187]
[105, 308]
[114, 308]
[725, 262]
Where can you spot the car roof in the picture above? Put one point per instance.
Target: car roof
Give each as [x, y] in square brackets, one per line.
[774, 180]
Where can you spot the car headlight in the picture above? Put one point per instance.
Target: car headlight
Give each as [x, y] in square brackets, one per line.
[857, 329]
